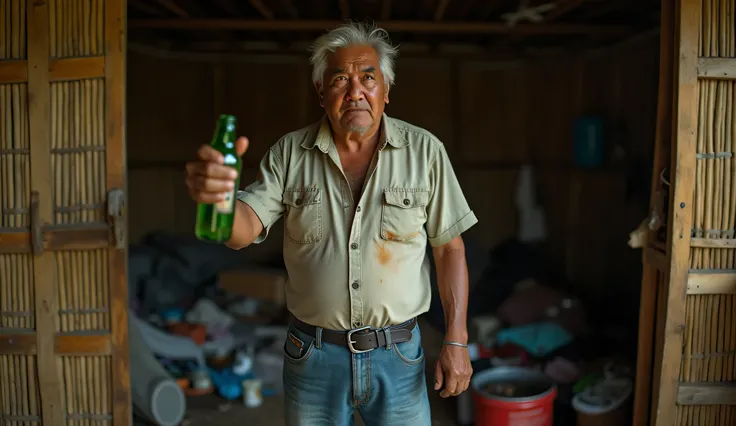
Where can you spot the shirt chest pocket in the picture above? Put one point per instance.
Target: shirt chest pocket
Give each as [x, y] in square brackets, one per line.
[303, 218]
[403, 213]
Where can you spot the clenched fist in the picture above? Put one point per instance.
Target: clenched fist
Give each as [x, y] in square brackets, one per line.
[208, 178]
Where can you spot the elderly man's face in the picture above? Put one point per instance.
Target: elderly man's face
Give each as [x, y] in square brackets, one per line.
[354, 93]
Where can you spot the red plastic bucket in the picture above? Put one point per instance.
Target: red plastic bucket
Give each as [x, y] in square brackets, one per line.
[513, 396]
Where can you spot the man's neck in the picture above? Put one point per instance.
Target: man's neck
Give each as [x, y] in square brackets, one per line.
[355, 142]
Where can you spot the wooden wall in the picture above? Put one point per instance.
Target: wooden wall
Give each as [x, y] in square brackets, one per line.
[492, 116]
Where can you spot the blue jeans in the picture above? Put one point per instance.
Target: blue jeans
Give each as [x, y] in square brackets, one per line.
[325, 383]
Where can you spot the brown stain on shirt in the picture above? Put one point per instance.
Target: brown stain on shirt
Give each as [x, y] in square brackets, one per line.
[383, 254]
[391, 236]
[394, 237]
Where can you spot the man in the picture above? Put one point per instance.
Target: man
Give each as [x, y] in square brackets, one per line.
[361, 195]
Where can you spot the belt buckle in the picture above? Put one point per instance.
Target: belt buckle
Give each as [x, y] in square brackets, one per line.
[351, 341]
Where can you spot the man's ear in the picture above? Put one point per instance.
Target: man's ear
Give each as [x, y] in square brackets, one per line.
[385, 93]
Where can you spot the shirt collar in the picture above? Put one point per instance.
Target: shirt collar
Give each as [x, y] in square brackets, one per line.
[389, 135]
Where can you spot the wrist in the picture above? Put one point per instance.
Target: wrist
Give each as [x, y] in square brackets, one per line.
[457, 336]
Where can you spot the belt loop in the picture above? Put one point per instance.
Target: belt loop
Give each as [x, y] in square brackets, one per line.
[318, 338]
[387, 333]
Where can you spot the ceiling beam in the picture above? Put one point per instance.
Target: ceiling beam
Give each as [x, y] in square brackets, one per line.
[563, 7]
[144, 7]
[440, 11]
[344, 9]
[398, 26]
[490, 7]
[228, 7]
[386, 10]
[174, 8]
[262, 8]
[290, 9]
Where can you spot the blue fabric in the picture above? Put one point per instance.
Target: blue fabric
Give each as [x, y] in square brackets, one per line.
[324, 384]
[538, 339]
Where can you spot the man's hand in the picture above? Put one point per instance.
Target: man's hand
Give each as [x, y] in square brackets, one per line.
[453, 370]
[208, 178]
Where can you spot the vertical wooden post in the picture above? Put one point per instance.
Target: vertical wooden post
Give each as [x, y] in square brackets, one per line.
[115, 42]
[44, 265]
[681, 208]
[650, 274]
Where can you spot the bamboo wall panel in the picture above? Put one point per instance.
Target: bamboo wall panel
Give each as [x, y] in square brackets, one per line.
[88, 396]
[77, 28]
[78, 151]
[19, 396]
[83, 290]
[12, 29]
[14, 156]
[16, 292]
[709, 353]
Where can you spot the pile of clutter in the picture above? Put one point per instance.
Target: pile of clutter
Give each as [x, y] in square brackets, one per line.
[188, 337]
[202, 351]
[539, 329]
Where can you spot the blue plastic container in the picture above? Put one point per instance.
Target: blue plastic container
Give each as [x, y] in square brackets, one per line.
[589, 146]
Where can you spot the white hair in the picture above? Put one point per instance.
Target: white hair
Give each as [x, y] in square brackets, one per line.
[354, 34]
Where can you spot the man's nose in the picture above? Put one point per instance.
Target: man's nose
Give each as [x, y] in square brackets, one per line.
[355, 91]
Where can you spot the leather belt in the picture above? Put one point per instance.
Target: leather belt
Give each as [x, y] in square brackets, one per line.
[363, 339]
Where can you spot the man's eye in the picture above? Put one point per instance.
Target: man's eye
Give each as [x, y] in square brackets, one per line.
[369, 77]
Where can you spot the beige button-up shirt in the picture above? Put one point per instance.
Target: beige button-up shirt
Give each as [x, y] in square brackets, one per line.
[359, 262]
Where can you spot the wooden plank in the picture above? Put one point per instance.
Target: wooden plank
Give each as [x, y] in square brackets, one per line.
[445, 27]
[385, 10]
[173, 7]
[656, 258]
[18, 343]
[645, 345]
[711, 283]
[706, 394]
[44, 266]
[563, 7]
[83, 344]
[680, 209]
[77, 68]
[439, 12]
[59, 69]
[713, 242]
[344, 9]
[647, 332]
[659, 324]
[87, 238]
[717, 68]
[64, 344]
[13, 72]
[262, 9]
[115, 41]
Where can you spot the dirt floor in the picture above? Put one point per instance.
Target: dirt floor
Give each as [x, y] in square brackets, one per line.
[211, 410]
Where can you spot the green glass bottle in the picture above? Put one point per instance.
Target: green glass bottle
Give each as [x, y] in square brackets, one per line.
[215, 221]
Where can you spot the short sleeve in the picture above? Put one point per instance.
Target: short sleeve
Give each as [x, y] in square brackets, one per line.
[265, 195]
[448, 213]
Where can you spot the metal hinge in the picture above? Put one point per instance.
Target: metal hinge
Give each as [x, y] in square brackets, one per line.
[116, 216]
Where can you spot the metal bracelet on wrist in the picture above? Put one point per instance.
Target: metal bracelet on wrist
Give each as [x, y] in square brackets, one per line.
[462, 345]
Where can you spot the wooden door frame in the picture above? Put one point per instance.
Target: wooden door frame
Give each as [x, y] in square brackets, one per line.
[43, 238]
[674, 264]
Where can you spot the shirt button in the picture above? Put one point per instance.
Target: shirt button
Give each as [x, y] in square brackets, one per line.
[354, 246]
[358, 209]
[299, 201]
[406, 201]
[356, 285]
